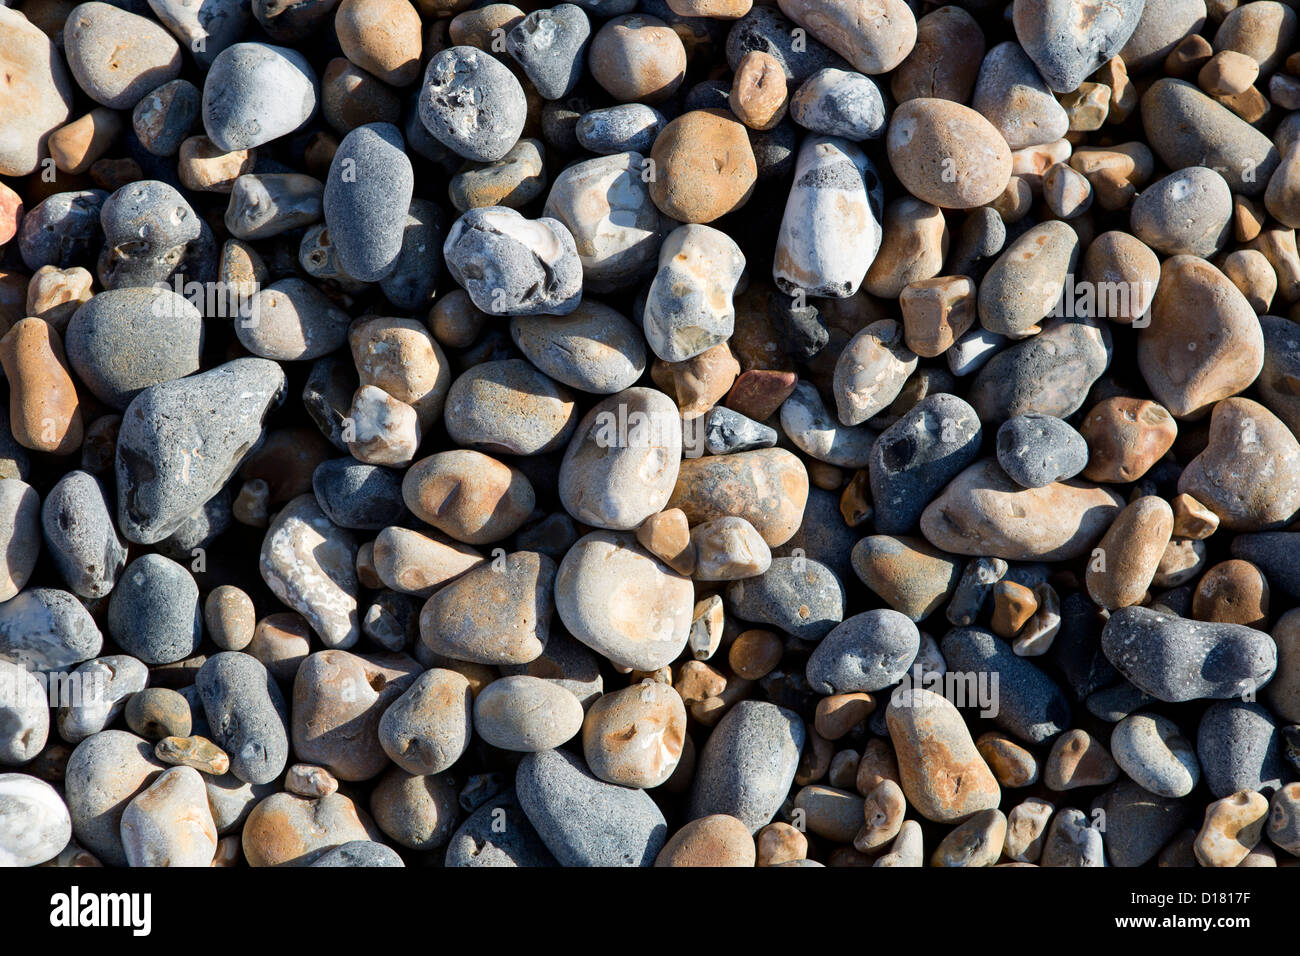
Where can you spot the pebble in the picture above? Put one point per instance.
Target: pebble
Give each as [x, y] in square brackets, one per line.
[1016, 380]
[1036, 450]
[498, 834]
[416, 812]
[1030, 704]
[526, 714]
[40, 103]
[866, 652]
[637, 58]
[1126, 437]
[1167, 656]
[45, 629]
[1237, 744]
[468, 496]
[1233, 826]
[1283, 826]
[718, 840]
[36, 823]
[1012, 95]
[246, 713]
[367, 197]
[634, 737]
[533, 265]
[255, 93]
[44, 410]
[497, 613]
[906, 573]
[107, 682]
[808, 424]
[1072, 840]
[154, 612]
[169, 824]
[584, 821]
[703, 167]
[360, 853]
[358, 496]
[105, 771]
[913, 459]
[309, 563]
[947, 154]
[833, 102]
[24, 715]
[1189, 212]
[1154, 753]
[688, 308]
[550, 45]
[1078, 759]
[941, 772]
[1027, 280]
[728, 549]
[1069, 40]
[117, 56]
[472, 104]
[158, 712]
[799, 596]
[288, 830]
[382, 37]
[873, 44]
[1126, 559]
[748, 763]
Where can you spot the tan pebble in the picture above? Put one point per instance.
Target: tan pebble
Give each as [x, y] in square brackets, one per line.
[1012, 764]
[947, 154]
[1067, 192]
[55, 294]
[637, 59]
[1087, 107]
[707, 623]
[942, 773]
[699, 383]
[715, 840]
[728, 549]
[914, 243]
[455, 321]
[829, 813]
[1013, 606]
[1078, 759]
[875, 36]
[307, 780]
[1182, 561]
[1027, 830]
[1279, 248]
[1014, 202]
[667, 536]
[288, 830]
[205, 167]
[767, 487]
[44, 412]
[883, 809]
[1192, 519]
[170, 823]
[1123, 92]
[281, 641]
[1190, 54]
[230, 617]
[843, 772]
[907, 850]
[1247, 220]
[779, 843]
[1227, 72]
[1251, 105]
[383, 430]
[1252, 274]
[709, 711]
[495, 613]
[1125, 269]
[476, 27]
[467, 495]
[417, 564]
[855, 500]
[1232, 828]
[703, 167]
[1125, 437]
[878, 763]
[402, 358]
[382, 37]
[838, 714]
[1125, 561]
[908, 574]
[76, 146]
[936, 313]
[366, 572]
[977, 842]
[197, 752]
[1036, 637]
[758, 92]
[945, 61]
[755, 654]
[1232, 592]
[824, 476]
[758, 393]
[698, 681]
[633, 737]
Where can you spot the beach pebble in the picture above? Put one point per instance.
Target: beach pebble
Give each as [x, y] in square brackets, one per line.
[288, 830]
[718, 840]
[309, 563]
[416, 812]
[703, 167]
[153, 613]
[45, 629]
[157, 712]
[498, 834]
[1068, 40]
[866, 652]
[1030, 704]
[1186, 213]
[526, 714]
[834, 102]
[1072, 840]
[637, 58]
[514, 266]
[104, 773]
[1126, 437]
[550, 45]
[1233, 826]
[497, 613]
[1012, 95]
[800, 596]
[906, 573]
[947, 154]
[748, 763]
[1237, 744]
[24, 714]
[1049, 373]
[943, 775]
[688, 309]
[1037, 450]
[246, 714]
[1126, 559]
[360, 853]
[472, 104]
[106, 683]
[382, 37]
[1027, 280]
[44, 410]
[255, 93]
[36, 822]
[1154, 753]
[117, 56]
[40, 99]
[366, 200]
[169, 824]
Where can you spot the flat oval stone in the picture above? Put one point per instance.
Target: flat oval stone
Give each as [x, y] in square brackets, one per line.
[865, 652]
[360, 853]
[36, 823]
[1027, 280]
[748, 763]
[593, 348]
[875, 38]
[246, 714]
[798, 595]
[1153, 751]
[1012, 95]
[45, 629]
[584, 821]
[906, 573]
[1186, 213]
[1174, 659]
[1049, 373]
[526, 714]
[947, 154]
[1037, 450]
[255, 93]
[715, 840]
[509, 407]
[117, 56]
[367, 197]
[288, 830]
[943, 775]
[1126, 559]
[768, 488]
[704, 166]
[497, 613]
[40, 99]
[467, 495]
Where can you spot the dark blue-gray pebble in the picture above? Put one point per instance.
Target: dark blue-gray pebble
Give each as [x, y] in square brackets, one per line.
[1036, 450]
[154, 612]
[628, 127]
[356, 495]
[77, 522]
[798, 595]
[367, 198]
[360, 853]
[551, 45]
[1029, 704]
[1237, 744]
[61, 230]
[497, 833]
[246, 714]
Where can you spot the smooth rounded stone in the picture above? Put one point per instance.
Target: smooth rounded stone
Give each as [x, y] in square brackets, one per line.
[498, 834]
[908, 575]
[1238, 744]
[718, 840]
[688, 309]
[940, 770]
[496, 613]
[468, 496]
[1235, 592]
[104, 773]
[288, 830]
[417, 812]
[401, 358]
[637, 57]
[551, 45]
[195, 751]
[947, 154]
[982, 512]
[472, 103]
[622, 602]
[797, 595]
[1036, 450]
[767, 487]
[359, 496]
[728, 549]
[1188, 212]
[45, 629]
[1276, 553]
[1284, 819]
[1026, 828]
[617, 230]
[1072, 840]
[309, 563]
[338, 701]
[429, 727]
[1264, 33]
[874, 38]
[584, 821]
[36, 825]
[382, 37]
[255, 93]
[41, 97]
[1175, 659]
[1070, 39]
[830, 813]
[593, 348]
[157, 712]
[871, 371]
[508, 407]
[510, 265]
[622, 463]
[164, 118]
[367, 197]
[977, 842]
[169, 823]
[1126, 560]
[748, 763]
[703, 166]
[1138, 823]
[105, 683]
[865, 652]
[1232, 828]
[526, 714]
[1163, 24]
[1281, 369]
[160, 481]
[61, 230]
[1049, 373]
[264, 205]
[411, 283]
[24, 714]
[1078, 759]
[1282, 695]
[634, 737]
[1027, 281]
[808, 424]
[1125, 438]
[833, 102]
[416, 564]
[1012, 95]
[914, 458]
[1155, 754]
[117, 56]
[154, 613]
[124, 340]
[1030, 704]
[20, 523]
[514, 180]
[246, 714]
[1246, 474]
[1186, 128]
[627, 127]
[44, 410]
[836, 192]
[360, 853]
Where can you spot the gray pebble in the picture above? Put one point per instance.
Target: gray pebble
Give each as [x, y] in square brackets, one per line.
[584, 821]
[982, 236]
[627, 127]
[748, 764]
[1072, 840]
[154, 611]
[160, 481]
[1070, 39]
[839, 103]
[510, 265]
[528, 714]
[104, 772]
[61, 230]
[360, 853]
[256, 92]
[1276, 553]
[1036, 450]
[199, 528]
[1113, 704]
[152, 235]
[45, 629]
[551, 46]
[498, 833]
[593, 348]
[309, 563]
[34, 821]
[726, 432]
[1138, 823]
[117, 56]
[124, 340]
[1029, 704]
[973, 351]
[1154, 753]
[106, 683]
[823, 535]
[360, 496]
[1175, 659]
[865, 652]
[1050, 372]
[1011, 94]
[246, 713]
[367, 198]
[164, 117]
[812, 428]
[411, 283]
[430, 726]
[1240, 748]
[263, 205]
[204, 27]
[24, 715]
[472, 103]
[1188, 212]
[800, 596]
